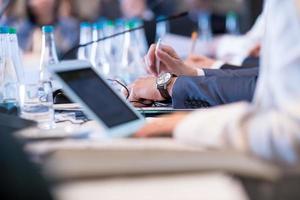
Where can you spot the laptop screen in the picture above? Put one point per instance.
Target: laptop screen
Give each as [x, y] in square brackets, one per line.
[98, 96]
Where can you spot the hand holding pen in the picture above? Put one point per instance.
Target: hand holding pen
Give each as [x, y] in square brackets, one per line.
[162, 58]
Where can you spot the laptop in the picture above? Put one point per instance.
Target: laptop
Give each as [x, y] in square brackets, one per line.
[84, 85]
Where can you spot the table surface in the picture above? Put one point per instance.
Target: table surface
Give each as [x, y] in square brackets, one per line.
[175, 186]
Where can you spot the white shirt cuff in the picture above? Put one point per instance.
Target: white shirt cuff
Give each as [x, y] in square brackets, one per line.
[217, 65]
[200, 72]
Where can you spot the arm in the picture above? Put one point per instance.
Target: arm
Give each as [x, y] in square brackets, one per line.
[195, 92]
[239, 72]
[270, 127]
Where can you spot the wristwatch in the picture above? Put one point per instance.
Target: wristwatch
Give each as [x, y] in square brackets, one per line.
[162, 83]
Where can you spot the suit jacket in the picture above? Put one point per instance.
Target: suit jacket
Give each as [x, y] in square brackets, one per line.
[216, 88]
[249, 62]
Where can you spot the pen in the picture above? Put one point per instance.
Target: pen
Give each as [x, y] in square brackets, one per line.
[194, 42]
[157, 59]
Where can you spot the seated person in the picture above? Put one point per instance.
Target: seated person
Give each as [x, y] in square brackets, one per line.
[193, 87]
[186, 25]
[216, 88]
[39, 13]
[268, 127]
[138, 9]
[238, 50]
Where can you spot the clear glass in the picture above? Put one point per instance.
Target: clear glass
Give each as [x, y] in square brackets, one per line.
[37, 104]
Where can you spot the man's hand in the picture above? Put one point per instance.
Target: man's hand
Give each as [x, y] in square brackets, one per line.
[162, 126]
[199, 61]
[144, 91]
[169, 62]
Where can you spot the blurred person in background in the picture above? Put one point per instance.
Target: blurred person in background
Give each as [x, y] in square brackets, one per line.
[131, 9]
[185, 26]
[46, 12]
[136, 9]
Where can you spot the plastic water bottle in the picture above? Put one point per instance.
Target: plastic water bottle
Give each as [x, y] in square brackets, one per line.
[16, 55]
[232, 23]
[162, 28]
[37, 99]
[98, 56]
[132, 60]
[84, 53]
[2, 59]
[49, 54]
[204, 25]
[117, 42]
[140, 36]
[9, 83]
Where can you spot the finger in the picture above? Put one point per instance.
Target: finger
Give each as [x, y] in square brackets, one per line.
[152, 129]
[169, 50]
[137, 104]
[196, 58]
[165, 58]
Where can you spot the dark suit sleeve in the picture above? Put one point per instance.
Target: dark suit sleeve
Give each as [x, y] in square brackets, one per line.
[240, 72]
[199, 92]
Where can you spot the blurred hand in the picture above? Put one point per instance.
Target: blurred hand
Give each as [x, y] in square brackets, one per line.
[199, 61]
[169, 62]
[144, 91]
[255, 51]
[162, 126]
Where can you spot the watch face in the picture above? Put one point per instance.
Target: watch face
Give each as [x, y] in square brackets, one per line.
[164, 79]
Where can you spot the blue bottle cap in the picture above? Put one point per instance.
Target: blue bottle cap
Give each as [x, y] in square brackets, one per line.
[98, 26]
[47, 29]
[12, 30]
[120, 22]
[109, 23]
[4, 29]
[161, 17]
[85, 25]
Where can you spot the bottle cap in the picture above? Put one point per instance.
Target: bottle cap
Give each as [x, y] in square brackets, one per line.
[232, 14]
[161, 17]
[119, 22]
[4, 29]
[47, 29]
[12, 30]
[130, 24]
[85, 25]
[110, 23]
[98, 26]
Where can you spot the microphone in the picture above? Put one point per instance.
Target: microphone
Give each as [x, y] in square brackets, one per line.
[5, 6]
[169, 18]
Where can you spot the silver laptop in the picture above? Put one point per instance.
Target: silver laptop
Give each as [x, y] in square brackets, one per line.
[84, 85]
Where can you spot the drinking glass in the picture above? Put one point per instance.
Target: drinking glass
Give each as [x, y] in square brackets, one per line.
[36, 101]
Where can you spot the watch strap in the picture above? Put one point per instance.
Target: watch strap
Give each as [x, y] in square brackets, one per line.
[164, 92]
